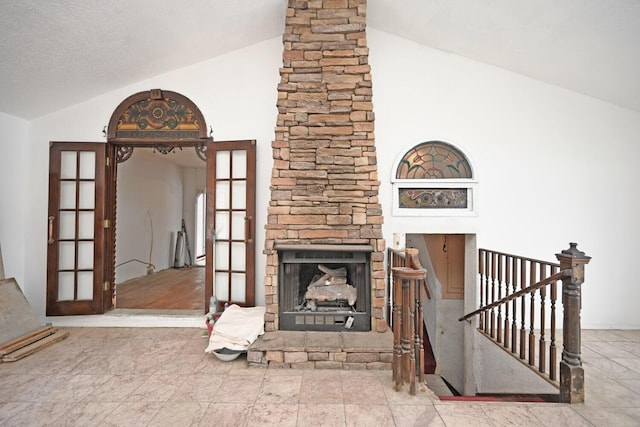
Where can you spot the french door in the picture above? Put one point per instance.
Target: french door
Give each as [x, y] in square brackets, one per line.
[230, 230]
[80, 250]
[75, 230]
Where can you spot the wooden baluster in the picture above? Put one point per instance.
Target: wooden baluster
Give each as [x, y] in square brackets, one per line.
[508, 280]
[389, 290]
[493, 295]
[514, 306]
[486, 290]
[523, 284]
[532, 314]
[553, 351]
[411, 333]
[483, 278]
[499, 319]
[419, 331]
[542, 346]
[413, 262]
[397, 329]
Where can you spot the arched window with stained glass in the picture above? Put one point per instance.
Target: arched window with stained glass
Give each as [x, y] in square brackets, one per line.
[434, 160]
[433, 176]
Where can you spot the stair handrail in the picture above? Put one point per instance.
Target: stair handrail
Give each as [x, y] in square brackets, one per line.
[498, 272]
[532, 288]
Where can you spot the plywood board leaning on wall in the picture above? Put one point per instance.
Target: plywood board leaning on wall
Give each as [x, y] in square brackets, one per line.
[21, 334]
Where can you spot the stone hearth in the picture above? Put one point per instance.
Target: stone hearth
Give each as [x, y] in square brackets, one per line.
[323, 350]
[324, 183]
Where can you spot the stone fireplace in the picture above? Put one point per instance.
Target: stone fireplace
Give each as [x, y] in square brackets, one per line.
[324, 212]
[324, 287]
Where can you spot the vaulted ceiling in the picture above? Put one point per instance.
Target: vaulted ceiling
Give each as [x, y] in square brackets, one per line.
[57, 53]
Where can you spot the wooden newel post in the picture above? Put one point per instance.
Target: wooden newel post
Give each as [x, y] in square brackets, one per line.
[405, 328]
[571, 371]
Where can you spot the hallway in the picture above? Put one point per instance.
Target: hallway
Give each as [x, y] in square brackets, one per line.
[161, 377]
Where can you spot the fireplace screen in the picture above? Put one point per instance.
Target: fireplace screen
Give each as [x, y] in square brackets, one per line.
[325, 290]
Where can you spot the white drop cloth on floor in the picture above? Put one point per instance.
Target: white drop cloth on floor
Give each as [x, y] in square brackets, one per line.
[237, 328]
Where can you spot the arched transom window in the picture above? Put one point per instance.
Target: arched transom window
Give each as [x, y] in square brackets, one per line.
[431, 177]
[433, 160]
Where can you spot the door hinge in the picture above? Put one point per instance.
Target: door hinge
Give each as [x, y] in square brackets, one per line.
[108, 161]
[105, 286]
[107, 223]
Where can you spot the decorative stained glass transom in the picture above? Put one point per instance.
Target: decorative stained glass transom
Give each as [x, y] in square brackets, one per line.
[433, 160]
[433, 198]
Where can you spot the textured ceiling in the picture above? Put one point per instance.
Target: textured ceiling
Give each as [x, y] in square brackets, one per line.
[57, 53]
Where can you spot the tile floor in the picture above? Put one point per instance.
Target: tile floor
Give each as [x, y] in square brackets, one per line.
[161, 377]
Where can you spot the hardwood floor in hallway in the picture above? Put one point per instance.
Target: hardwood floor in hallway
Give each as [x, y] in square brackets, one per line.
[170, 289]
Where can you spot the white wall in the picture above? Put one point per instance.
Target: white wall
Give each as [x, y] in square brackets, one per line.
[237, 95]
[14, 157]
[149, 213]
[553, 166]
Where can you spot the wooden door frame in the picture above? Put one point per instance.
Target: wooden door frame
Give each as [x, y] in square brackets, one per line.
[159, 119]
[119, 152]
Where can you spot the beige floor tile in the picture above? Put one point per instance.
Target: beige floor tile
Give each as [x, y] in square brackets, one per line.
[138, 376]
[321, 414]
[89, 413]
[610, 417]
[318, 390]
[117, 388]
[178, 414]
[608, 393]
[415, 415]
[157, 388]
[363, 389]
[226, 415]
[463, 415]
[241, 389]
[41, 414]
[280, 389]
[132, 414]
[612, 368]
[559, 415]
[608, 349]
[11, 409]
[74, 388]
[511, 415]
[199, 387]
[273, 414]
[367, 415]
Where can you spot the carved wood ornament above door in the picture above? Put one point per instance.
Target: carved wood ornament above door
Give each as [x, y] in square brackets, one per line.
[158, 119]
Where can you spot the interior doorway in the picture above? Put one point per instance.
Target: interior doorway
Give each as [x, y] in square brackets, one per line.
[449, 261]
[157, 197]
[84, 212]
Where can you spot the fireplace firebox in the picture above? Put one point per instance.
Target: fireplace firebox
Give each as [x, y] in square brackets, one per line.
[324, 287]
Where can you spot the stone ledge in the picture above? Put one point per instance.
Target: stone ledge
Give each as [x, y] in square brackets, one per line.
[322, 350]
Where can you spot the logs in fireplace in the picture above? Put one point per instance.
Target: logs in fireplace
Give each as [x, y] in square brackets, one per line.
[325, 287]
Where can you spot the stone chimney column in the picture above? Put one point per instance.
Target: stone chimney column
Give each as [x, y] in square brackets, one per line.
[324, 182]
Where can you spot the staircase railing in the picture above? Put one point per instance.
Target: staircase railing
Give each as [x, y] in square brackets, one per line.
[516, 296]
[406, 281]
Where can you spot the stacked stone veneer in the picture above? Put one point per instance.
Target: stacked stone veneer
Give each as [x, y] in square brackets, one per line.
[324, 183]
[323, 350]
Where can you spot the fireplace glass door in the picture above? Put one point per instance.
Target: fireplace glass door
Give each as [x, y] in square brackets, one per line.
[324, 290]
